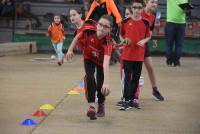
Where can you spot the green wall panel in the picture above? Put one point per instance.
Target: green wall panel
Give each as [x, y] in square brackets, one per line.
[191, 45]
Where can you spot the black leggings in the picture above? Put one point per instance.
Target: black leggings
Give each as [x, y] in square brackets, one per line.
[132, 71]
[92, 85]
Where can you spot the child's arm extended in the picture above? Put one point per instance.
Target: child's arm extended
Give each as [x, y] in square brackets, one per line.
[106, 63]
[70, 52]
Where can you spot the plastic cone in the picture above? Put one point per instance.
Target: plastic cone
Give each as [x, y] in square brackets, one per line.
[79, 88]
[73, 92]
[39, 113]
[28, 122]
[47, 107]
[81, 84]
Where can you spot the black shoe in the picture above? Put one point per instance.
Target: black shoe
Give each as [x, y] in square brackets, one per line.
[59, 64]
[169, 62]
[101, 110]
[134, 103]
[177, 63]
[157, 95]
[125, 106]
[119, 103]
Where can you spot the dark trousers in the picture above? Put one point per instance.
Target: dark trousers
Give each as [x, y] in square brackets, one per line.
[174, 34]
[132, 72]
[93, 85]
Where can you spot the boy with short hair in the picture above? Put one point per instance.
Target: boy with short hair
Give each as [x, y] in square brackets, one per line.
[135, 34]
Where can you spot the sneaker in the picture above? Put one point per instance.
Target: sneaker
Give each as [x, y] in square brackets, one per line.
[169, 62]
[101, 110]
[59, 63]
[157, 95]
[91, 113]
[136, 104]
[177, 63]
[125, 106]
[119, 103]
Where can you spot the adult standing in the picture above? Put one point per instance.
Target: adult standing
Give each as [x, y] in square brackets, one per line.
[175, 31]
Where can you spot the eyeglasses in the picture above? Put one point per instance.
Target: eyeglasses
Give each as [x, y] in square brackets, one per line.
[137, 7]
[102, 25]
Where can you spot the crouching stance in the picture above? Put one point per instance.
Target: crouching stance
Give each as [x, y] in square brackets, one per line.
[97, 48]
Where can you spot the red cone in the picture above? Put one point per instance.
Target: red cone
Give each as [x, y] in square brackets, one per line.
[39, 113]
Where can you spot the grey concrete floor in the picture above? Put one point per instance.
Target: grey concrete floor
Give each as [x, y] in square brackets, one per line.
[25, 85]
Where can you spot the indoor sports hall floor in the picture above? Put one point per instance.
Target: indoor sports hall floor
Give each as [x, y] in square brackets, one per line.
[26, 84]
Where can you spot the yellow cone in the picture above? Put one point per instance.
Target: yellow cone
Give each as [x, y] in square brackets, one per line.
[47, 107]
[73, 92]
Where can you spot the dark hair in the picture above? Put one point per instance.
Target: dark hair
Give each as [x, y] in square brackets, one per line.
[138, 1]
[109, 18]
[78, 10]
[57, 16]
[129, 8]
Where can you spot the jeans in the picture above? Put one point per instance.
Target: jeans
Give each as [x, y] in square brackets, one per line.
[174, 34]
[58, 50]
